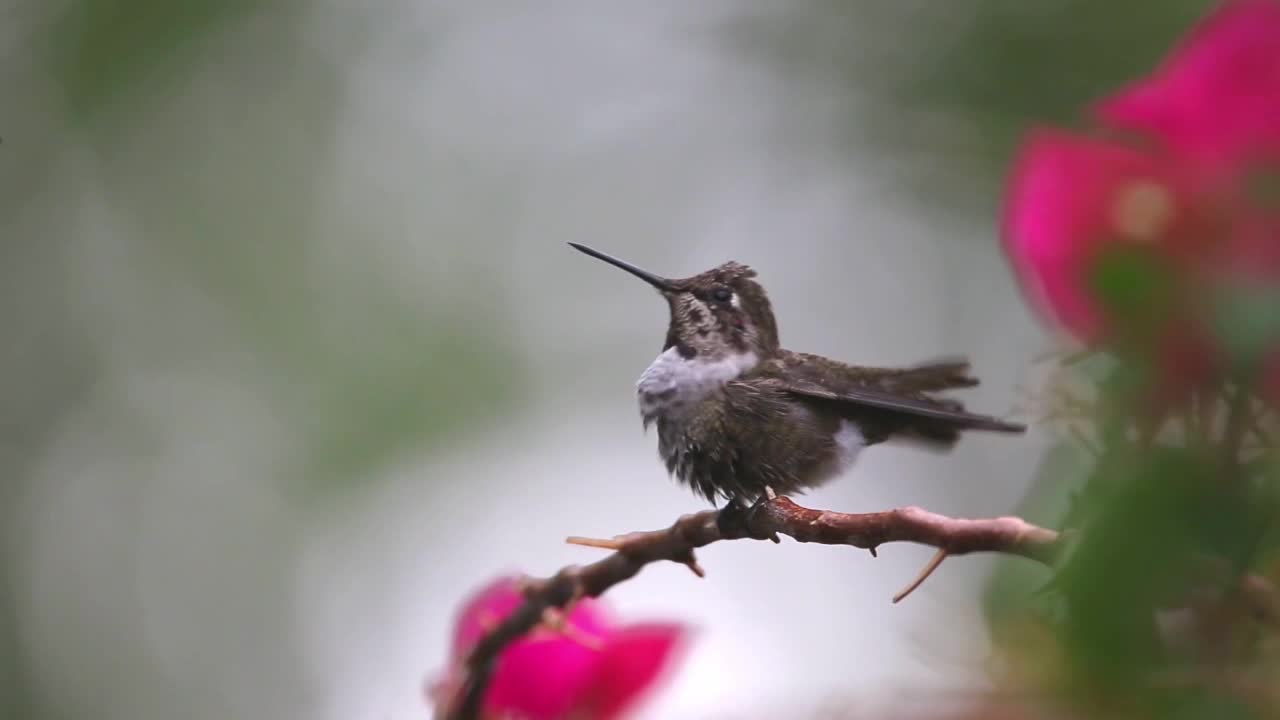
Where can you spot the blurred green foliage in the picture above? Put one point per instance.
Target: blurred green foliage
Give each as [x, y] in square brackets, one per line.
[242, 212]
[1168, 503]
[363, 371]
[1131, 556]
[944, 90]
[1247, 323]
[1150, 527]
[221, 255]
[105, 51]
[1136, 290]
[1007, 65]
[1017, 586]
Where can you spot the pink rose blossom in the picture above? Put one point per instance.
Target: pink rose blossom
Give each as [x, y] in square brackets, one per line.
[591, 669]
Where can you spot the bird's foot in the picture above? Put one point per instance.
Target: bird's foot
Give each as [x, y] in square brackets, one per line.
[738, 514]
[761, 500]
[733, 517]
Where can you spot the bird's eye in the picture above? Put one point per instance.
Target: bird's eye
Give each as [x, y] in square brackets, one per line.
[721, 294]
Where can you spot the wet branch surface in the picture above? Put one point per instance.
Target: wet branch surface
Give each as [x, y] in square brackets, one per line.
[546, 598]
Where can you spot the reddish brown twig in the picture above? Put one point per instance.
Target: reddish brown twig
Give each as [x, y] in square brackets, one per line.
[951, 536]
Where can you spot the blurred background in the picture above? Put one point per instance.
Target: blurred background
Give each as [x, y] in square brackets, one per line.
[294, 354]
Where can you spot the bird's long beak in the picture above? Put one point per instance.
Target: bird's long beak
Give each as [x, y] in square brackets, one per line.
[663, 284]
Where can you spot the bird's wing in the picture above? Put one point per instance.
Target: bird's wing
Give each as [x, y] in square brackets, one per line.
[869, 397]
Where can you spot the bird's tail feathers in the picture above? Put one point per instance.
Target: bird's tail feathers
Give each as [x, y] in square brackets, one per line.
[947, 373]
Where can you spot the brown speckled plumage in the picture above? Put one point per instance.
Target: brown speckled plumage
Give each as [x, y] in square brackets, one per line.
[736, 413]
[775, 425]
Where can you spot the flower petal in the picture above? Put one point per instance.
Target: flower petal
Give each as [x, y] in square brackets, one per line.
[483, 611]
[544, 676]
[1217, 96]
[632, 663]
[1069, 195]
[494, 602]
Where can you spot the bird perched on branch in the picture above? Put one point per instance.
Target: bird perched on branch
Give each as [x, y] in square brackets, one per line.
[740, 417]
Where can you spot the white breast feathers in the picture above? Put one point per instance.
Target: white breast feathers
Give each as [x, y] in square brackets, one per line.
[672, 383]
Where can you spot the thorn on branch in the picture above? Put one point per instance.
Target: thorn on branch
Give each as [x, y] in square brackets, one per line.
[691, 562]
[613, 544]
[937, 559]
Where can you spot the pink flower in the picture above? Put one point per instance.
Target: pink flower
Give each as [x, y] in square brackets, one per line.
[1073, 198]
[1215, 102]
[1074, 201]
[1193, 187]
[1217, 96]
[592, 669]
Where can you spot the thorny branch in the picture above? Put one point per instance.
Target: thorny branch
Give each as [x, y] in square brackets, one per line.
[545, 598]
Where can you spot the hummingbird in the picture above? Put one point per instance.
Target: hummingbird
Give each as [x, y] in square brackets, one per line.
[741, 418]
